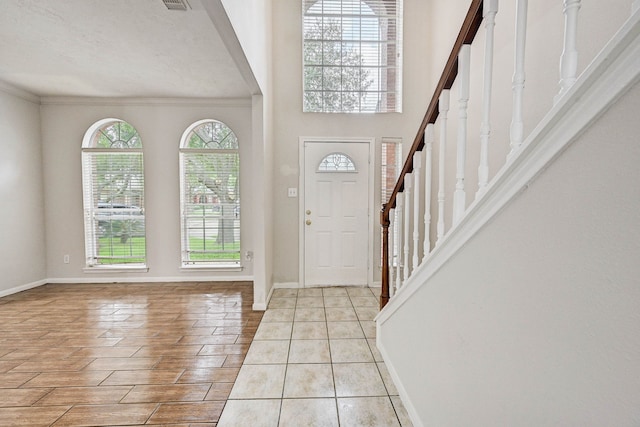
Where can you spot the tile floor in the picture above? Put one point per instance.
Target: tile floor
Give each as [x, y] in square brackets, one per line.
[126, 354]
[313, 362]
[169, 354]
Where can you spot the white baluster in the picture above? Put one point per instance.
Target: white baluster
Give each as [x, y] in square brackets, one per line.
[407, 224]
[464, 70]
[429, 137]
[569, 58]
[489, 11]
[517, 121]
[399, 260]
[444, 109]
[417, 165]
[392, 242]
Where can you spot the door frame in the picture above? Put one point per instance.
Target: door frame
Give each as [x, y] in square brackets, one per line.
[301, 198]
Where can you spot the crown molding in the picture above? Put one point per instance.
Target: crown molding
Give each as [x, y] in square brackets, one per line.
[20, 93]
[188, 102]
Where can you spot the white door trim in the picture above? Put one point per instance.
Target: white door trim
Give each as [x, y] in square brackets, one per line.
[301, 193]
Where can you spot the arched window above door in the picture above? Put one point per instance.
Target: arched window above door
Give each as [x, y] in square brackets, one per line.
[337, 162]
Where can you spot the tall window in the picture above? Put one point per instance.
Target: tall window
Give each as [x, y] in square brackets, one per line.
[113, 186]
[352, 55]
[391, 165]
[210, 195]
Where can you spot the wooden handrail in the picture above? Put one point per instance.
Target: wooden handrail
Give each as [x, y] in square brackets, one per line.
[467, 34]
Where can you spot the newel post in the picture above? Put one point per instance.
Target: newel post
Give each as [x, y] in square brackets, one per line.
[384, 222]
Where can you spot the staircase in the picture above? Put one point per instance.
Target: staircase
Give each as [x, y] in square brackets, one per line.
[511, 298]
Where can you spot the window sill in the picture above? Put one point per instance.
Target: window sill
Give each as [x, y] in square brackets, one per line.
[116, 269]
[218, 267]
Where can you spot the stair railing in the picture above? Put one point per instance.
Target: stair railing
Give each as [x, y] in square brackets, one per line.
[401, 213]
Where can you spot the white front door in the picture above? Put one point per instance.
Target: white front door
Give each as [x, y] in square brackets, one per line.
[335, 215]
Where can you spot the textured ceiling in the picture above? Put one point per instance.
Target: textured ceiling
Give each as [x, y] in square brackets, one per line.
[114, 48]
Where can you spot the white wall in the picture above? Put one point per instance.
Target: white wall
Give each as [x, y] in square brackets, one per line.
[251, 20]
[252, 27]
[535, 321]
[290, 122]
[160, 125]
[22, 236]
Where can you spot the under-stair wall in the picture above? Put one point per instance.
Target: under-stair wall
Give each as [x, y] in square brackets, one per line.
[535, 320]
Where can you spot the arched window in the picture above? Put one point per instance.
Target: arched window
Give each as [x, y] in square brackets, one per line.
[352, 56]
[210, 195]
[113, 190]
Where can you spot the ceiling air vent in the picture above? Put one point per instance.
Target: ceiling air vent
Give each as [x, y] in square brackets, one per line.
[176, 4]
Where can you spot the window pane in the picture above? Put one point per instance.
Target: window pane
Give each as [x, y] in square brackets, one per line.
[210, 194]
[356, 34]
[313, 78]
[113, 187]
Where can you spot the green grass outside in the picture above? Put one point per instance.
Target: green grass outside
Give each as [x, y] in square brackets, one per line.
[113, 251]
[231, 251]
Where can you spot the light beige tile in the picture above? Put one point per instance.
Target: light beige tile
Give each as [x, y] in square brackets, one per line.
[377, 356]
[310, 292]
[339, 301]
[369, 328]
[274, 331]
[278, 315]
[282, 303]
[254, 413]
[367, 412]
[309, 380]
[386, 378]
[286, 293]
[334, 292]
[309, 413]
[310, 302]
[367, 313]
[309, 351]
[337, 314]
[401, 412]
[350, 329]
[359, 292]
[350, 350]
[259, 382]
[358, 379]
[309, 315]
[370, 301]
[267, 352]
[309, 331]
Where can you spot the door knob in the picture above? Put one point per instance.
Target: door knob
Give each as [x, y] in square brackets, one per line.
[308, 222]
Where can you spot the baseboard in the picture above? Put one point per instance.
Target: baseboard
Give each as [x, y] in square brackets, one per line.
[262, 306]
[404, 396]
[88, 280]
[28, 286]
